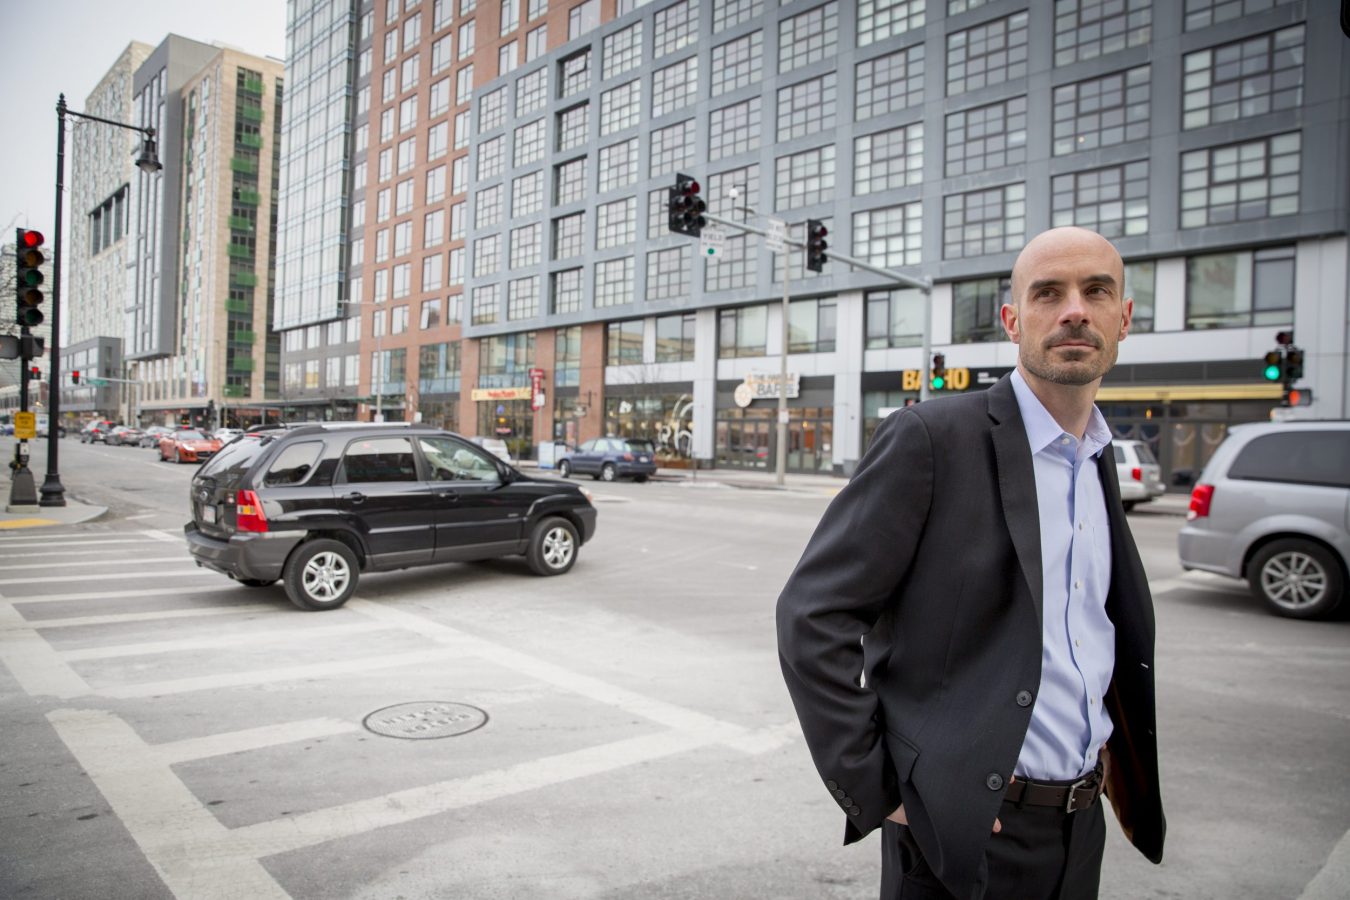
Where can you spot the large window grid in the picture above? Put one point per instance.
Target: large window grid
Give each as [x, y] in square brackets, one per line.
[737, 63]
[1240, 182]
[527, 245]
[805, 178]
[530, 143]
[745, 179]
[987, 137]
[676, 27]
[491, 157]
[574, 126]
[882, 19]
[668, 274]
[674, 86]
[672, 148]
[569, 235]
[734, 129]
[614, 282]
[976, 307]
[487, 255]
[657, 224]
[807, 107]
[487, 207]
[569, 181]
[487, 301]
[888, 159]
[1240, 290]
[1102, 112]
[808, 37]
[623, 50]
[1246, 78]
[618, 165]
[1111, 201]
[1203, 13]
[527, 194]
[575, 73]
[986, 221]
[620, 107]
[732, 269]
[728, 13]
[532, 91]
[889, 83]
[987, 54]
[566, 291]
[522, 298]
[891, 236]
[1086, 29]
[492, 110]
[616, 223]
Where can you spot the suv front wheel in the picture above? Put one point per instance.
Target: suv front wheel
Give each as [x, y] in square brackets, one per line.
[553, 547]
[320, 574]
[1296, 578]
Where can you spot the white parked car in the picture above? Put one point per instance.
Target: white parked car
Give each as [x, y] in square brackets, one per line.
[496, 446]
[225, 435]
[1138, 472]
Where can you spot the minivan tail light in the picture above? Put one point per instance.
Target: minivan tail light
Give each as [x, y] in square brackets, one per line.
[1201, 497]
[248, 512]
[1137, 473]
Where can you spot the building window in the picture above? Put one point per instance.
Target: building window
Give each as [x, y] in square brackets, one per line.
[567, 356]
[439, 101]
[619, 107]
[487, 255]
[623, 51]
[668, 274]
[467, 33]
[433, 269]
[433, 228]
[522, 300]
[408, 72]
[407, 114]
[807, 37]
[569, 234]
[510, 17]
[527, 246]
[675, 338]
[1140, 286]
[1102, 112]
[987, 54]
[487, 207]
[988, 221]
[1243, 79]
[530, 141]
[491, 157]
[430, 314]
[569, 181]
[882, 19]
[1086, 29]
[402, 274]
[1240, 290]
[435, 185]
[676, 27]
[891, 236]
[623, 343]
[1111, 201]
[728, 13]
[464, 84]
[573, 126]
[745, 179]
[536, 42]
[889, 83]
[976, 309]
[486, 302]
[734, 129]
[742, 332]
[575, 72]
[566, 291]
[532, 91]
[457, 220]
[888, 159]
[737, 63]
[456, 275]
[618, 165]
[582, 18]
[1240, 182]
[1203, 13]
[398, 320]
[895, 319]
[403, 238]
[657, 224]
[440, 55]
[672, 148]
[804, 179]
[492, 110]
[674, 86]
[404, 197]
[811, 326]
[987, 137]
[734, 268]
[462, 129]
[527, 194]
[614, 282]
[806, 108]
[616, 223]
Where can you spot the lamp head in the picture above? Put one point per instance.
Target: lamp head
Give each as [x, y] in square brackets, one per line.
[149, 159]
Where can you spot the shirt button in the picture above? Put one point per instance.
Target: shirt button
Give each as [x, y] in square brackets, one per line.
[1092, 701]
[1076, 643]
[1078, 585]
[1080, 526]
[994, 782]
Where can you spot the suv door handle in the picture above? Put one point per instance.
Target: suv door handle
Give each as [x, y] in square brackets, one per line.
[354, 496]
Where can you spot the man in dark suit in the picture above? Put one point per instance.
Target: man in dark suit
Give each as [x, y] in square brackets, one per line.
[1004, 676]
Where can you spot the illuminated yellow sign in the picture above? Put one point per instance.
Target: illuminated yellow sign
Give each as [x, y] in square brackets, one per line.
[957, 380]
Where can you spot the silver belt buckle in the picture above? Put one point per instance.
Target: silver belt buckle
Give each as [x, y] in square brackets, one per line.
[1073, 789]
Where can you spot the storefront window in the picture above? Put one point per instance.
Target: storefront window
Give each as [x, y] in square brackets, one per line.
[675, 338]
[504, 360]
[567, 357]
[665, 419]
[623, 342]
[510, 420]
[438, 368]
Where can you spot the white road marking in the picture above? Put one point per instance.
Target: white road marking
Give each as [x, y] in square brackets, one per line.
[119, 618]
[32, 661]
[166, 536]
[177, 591]
[1214, 584]
[166, 820]
[217, 641]
[108, 576]
[66, 554]
[86, 540]
[112, 561]
[260, 738]
[1332, 881]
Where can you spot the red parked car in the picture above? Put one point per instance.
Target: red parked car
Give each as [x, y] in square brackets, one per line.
[187, 445]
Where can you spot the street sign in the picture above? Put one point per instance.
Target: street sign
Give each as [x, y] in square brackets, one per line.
[776, 238]
[711, 241]
[25, 426]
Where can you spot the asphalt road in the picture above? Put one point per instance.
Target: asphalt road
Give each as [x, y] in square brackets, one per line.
[164, 732]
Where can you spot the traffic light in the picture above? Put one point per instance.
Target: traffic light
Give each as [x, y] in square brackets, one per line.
[75, 376]
[1293, 364]
[939, 372]
[28, 268]
[35, 373]
[686, 207]
[1274, 370]
[816, 244]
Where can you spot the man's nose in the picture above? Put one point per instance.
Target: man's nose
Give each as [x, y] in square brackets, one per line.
[1075, 307]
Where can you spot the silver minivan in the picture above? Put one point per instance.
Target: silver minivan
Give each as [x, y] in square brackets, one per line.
[1273, 506]
[1138, 472]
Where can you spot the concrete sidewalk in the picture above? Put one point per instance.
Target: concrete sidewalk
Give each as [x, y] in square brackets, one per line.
[73, 513]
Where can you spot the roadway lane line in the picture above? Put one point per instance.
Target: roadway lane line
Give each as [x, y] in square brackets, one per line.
[66, 554]
[32, 661]
[107, 595]
[108, 576]
[163, 817]
[216, 642]
[74, 537]
[119, 618]
[112, 561]
[166, 536]
[261, 738]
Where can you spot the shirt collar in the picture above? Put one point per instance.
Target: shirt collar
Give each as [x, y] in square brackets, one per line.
[1041, 427]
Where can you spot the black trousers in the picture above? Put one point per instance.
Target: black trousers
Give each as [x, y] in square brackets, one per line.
[1042, 853]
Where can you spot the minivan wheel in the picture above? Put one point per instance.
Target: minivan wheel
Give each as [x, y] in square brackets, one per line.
[320, 574]
[565, 469]
[1296, 578]
[607, 472]
[553, 547]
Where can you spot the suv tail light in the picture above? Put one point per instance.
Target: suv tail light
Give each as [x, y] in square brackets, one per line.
[1137, 473]
[248, 512]
[1201, 497]
[628, 457]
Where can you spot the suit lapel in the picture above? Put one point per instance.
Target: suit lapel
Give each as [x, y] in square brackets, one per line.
[1017, 486]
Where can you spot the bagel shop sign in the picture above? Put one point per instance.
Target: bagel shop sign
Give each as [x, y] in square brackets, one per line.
[765, 387]
[958, 379]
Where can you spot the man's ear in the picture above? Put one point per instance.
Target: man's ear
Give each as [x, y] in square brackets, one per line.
[1127, 316]
[1008, 315]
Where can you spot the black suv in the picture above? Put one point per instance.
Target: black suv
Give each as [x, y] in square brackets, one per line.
[314, 505]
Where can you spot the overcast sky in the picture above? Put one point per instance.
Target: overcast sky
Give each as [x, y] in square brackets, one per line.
[67, 46]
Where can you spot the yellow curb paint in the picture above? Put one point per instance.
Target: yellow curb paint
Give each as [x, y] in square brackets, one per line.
[26, 523]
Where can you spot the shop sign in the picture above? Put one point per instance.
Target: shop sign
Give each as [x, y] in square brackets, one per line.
[478, 395]
[765, 387]
[536, 389]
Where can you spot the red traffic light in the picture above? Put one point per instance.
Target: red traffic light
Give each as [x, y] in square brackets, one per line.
[75, 376]
[31, 238]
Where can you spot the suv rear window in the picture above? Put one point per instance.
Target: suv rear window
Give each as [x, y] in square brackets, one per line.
[293, 464]
[235, 458]
[1296, 457]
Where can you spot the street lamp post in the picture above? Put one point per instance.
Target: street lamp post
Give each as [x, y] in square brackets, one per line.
[53, 493]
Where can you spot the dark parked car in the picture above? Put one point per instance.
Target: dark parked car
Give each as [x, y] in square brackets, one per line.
[315, 505]
[151, 435]
[608, 458]
[123, 436]
[95, 431]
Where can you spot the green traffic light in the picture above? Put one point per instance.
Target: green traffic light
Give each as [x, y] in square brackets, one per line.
[939, 383]
[1272, 373]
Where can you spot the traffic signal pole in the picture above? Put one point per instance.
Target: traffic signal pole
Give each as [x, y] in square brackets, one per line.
[53, 492]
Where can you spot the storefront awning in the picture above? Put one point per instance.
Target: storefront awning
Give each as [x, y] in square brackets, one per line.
[1189, 392]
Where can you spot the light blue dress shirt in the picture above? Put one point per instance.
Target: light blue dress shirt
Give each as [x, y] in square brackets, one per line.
[1069, 724]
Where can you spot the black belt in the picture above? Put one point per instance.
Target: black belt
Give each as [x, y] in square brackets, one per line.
[1069, 796]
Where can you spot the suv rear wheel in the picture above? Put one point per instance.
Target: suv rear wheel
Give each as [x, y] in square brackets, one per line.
[1296, 578]
[607, 472]
[553, 547]
[320, 574]
[565, 469]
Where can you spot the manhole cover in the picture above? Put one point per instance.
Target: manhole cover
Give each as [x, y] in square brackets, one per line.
[425, 719]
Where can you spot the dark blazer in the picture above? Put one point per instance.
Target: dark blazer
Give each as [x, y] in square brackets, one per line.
[932, 552]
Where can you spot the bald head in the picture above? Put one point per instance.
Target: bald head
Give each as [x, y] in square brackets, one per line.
[1061, 244]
